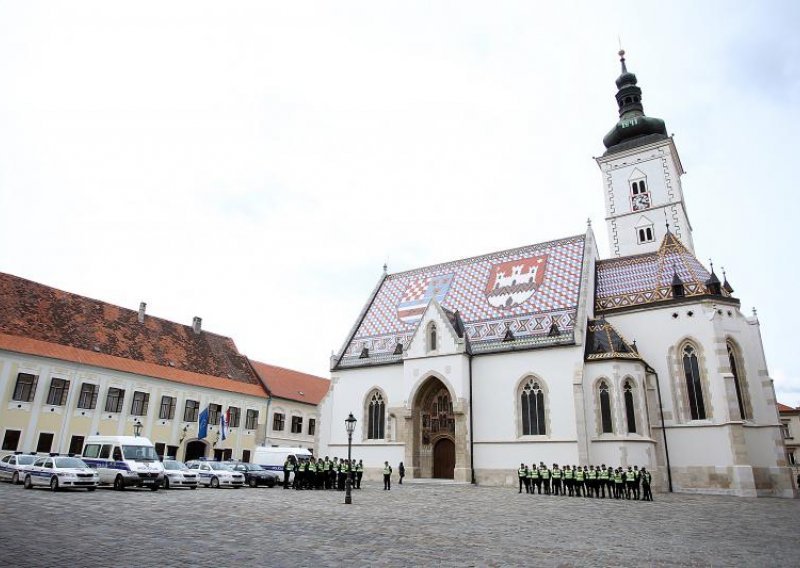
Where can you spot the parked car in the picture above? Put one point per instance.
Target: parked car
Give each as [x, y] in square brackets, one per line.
[255, 475]
[216, 474]
[60, 472]
[13, 466]
[176, 474]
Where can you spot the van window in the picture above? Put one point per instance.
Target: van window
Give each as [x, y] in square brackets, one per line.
[141, 453]
[117, 454]
[105, 451]
[91, 450]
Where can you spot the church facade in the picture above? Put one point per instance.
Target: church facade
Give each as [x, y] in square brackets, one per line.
[549, 353]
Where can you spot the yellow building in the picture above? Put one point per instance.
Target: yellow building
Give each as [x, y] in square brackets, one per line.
[71, 366]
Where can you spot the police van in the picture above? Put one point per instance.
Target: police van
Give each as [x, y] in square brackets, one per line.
[273, 458]
[124, 461]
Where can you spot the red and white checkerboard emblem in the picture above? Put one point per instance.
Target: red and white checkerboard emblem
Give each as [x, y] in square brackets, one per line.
[512, 283]
[419, 293]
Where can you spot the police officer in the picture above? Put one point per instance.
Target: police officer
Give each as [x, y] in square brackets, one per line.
[630, 481]
[637, 480]
[529, 482]
[580, 477]
[536, 479]
[556, 476]
[387, 476]
[288, 468]
[646, 478]
[544, 473]
[359, 473]
[610, 482]
[602, 480]
[341, 475]
[618, 484]
[569, 479]
[522, 474]
[591, 481]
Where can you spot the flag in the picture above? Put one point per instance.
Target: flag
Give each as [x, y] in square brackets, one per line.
[202, 430]
[225, 420]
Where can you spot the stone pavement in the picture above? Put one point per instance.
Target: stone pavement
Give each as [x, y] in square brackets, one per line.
[411, 525]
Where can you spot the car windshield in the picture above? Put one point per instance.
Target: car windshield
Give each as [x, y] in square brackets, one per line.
[70, 462]
[139, 453]
[253, 467]
[174, 465]
[219, 466]
[26, 460]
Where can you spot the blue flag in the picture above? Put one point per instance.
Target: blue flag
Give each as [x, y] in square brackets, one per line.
[202, 431]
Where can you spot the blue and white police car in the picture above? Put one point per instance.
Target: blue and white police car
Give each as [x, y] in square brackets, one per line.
[176, 474]
[60, 472]
[215, 474]
[13, 466]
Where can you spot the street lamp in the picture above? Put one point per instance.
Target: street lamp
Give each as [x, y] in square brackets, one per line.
[350, 425]
[137, 428]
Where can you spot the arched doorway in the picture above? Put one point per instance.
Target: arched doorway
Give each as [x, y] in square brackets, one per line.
[437, 448]
[195, 449]
[444, 458]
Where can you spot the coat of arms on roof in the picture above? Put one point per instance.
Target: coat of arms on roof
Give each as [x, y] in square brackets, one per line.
[419, 293]
[512, 283]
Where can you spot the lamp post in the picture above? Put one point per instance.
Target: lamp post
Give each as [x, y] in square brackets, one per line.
[350, 425]
[137, 428]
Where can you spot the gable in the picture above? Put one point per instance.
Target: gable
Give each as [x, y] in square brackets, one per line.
[525, 290]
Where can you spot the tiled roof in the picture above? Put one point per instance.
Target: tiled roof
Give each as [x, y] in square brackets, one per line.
[292, 385]
[784, 408]
[647, 278]
[46, 316]
[525, 290]
[605, 342]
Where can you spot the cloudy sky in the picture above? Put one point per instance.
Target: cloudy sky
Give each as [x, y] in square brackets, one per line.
[255, 164]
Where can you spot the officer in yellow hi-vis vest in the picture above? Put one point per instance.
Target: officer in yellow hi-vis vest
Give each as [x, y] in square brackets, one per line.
[591, 481]
[602, 480]
[544, 473]
[555, 475]
[569, 479]
[580, 477]
[522, 474]
[288, 468]
[533, 478]
[646, 479]
[618, 484]
[387, 476]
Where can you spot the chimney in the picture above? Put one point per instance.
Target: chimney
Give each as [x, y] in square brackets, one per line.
[196, 322]
[142, 308]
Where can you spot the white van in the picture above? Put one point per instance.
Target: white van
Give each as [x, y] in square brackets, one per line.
[272, 458]
[124, 461]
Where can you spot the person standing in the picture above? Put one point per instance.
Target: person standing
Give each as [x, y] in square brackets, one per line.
[569, 479]
[602, 480]
[522, 473]
[288, 468]
[532, 473]
[556, 475]
[387, 476]
[544, 473]
[637, 480]
[359, 473]
[591, 480]
[618, 484]
[401, 470]
[341, 475]
[580, 475]
[630, 482]
[646, 478]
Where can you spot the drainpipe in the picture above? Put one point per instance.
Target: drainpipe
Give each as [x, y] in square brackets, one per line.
[471, 426]
[663, 429]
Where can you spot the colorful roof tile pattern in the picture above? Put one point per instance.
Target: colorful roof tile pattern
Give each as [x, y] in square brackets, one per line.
[292, 385]
[647, 278]
[603, 341]
[45, 315]
[525, 290]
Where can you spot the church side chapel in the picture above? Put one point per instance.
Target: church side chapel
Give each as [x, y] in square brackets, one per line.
[548, 353]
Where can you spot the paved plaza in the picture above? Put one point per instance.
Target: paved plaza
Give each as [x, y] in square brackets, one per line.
[411, 525]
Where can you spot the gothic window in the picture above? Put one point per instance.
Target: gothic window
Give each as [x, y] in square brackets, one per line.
[630, 412]
[376, 416]
[691, 372]
[532, 401]
[737, 381]
[605, 409]
[645, 235]
[432, 337]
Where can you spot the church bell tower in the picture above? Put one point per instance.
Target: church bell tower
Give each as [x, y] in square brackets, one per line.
[641, 177]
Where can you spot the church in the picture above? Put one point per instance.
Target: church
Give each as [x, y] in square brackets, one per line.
[549, 353]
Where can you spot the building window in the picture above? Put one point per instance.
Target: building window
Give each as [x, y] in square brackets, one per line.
[792, 459]
[645, 235]
[76, 445]
[172, 452]
[605, 409]
[297, 424]
[785, 430]
[312, 426]
[251, 420]
[141, 400]
[532, 400]
[376, 415]
[630, 411]
[214, 412]
[432, 337]
[57, 395]
[167, 410]
[114, 400]
[246, 456]
[190, 411]
[737, 382]
[45, 444]
[640, 197]
[277, 422]
[11, 440]
[25, 388]
[694, 388]
[235, 416]
[88, 396]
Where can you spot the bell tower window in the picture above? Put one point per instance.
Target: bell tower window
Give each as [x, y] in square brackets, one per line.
[640, 194]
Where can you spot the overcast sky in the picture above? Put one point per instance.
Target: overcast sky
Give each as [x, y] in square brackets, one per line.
[255, 164]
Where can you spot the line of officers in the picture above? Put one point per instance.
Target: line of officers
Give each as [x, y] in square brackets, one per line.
[589, 481]
[322, 473]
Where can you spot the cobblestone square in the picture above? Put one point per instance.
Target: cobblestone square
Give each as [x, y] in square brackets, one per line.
[412, 525]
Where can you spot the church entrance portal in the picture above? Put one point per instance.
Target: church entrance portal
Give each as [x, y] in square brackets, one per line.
[444, 458]
[195, 450]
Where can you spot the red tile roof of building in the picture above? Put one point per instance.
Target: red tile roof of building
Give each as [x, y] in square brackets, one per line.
[292, 385]
[784, 408]
[40, 320]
